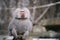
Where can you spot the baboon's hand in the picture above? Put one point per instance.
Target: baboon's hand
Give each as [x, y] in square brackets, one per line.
[26, 34]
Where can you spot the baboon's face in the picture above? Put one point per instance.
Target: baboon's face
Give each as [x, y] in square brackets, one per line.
[22, 13]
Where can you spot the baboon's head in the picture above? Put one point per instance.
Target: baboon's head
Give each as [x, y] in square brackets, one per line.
[22, 13]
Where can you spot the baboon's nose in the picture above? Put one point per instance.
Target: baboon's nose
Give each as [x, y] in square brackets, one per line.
[22, 16]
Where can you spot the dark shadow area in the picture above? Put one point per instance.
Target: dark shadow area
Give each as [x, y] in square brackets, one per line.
[55, 28]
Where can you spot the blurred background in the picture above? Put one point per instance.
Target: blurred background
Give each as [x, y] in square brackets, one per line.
[45, 12]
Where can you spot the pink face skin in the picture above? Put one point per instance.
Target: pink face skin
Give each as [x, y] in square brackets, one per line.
[22, 14]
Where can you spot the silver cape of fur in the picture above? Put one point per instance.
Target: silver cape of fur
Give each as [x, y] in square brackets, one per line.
[20, 25]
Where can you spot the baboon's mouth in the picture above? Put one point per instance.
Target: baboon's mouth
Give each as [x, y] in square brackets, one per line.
[23, 16]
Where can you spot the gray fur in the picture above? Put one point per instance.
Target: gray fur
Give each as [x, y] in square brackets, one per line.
[20, 26]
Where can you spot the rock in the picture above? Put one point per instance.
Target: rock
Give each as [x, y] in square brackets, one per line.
[52, 33]
[8, 38]
[39, 29]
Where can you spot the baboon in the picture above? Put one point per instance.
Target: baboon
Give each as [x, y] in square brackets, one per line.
[20, 23]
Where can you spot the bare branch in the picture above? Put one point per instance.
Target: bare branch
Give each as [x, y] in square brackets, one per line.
[41, 15]
[48, 5]
[34, 11]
